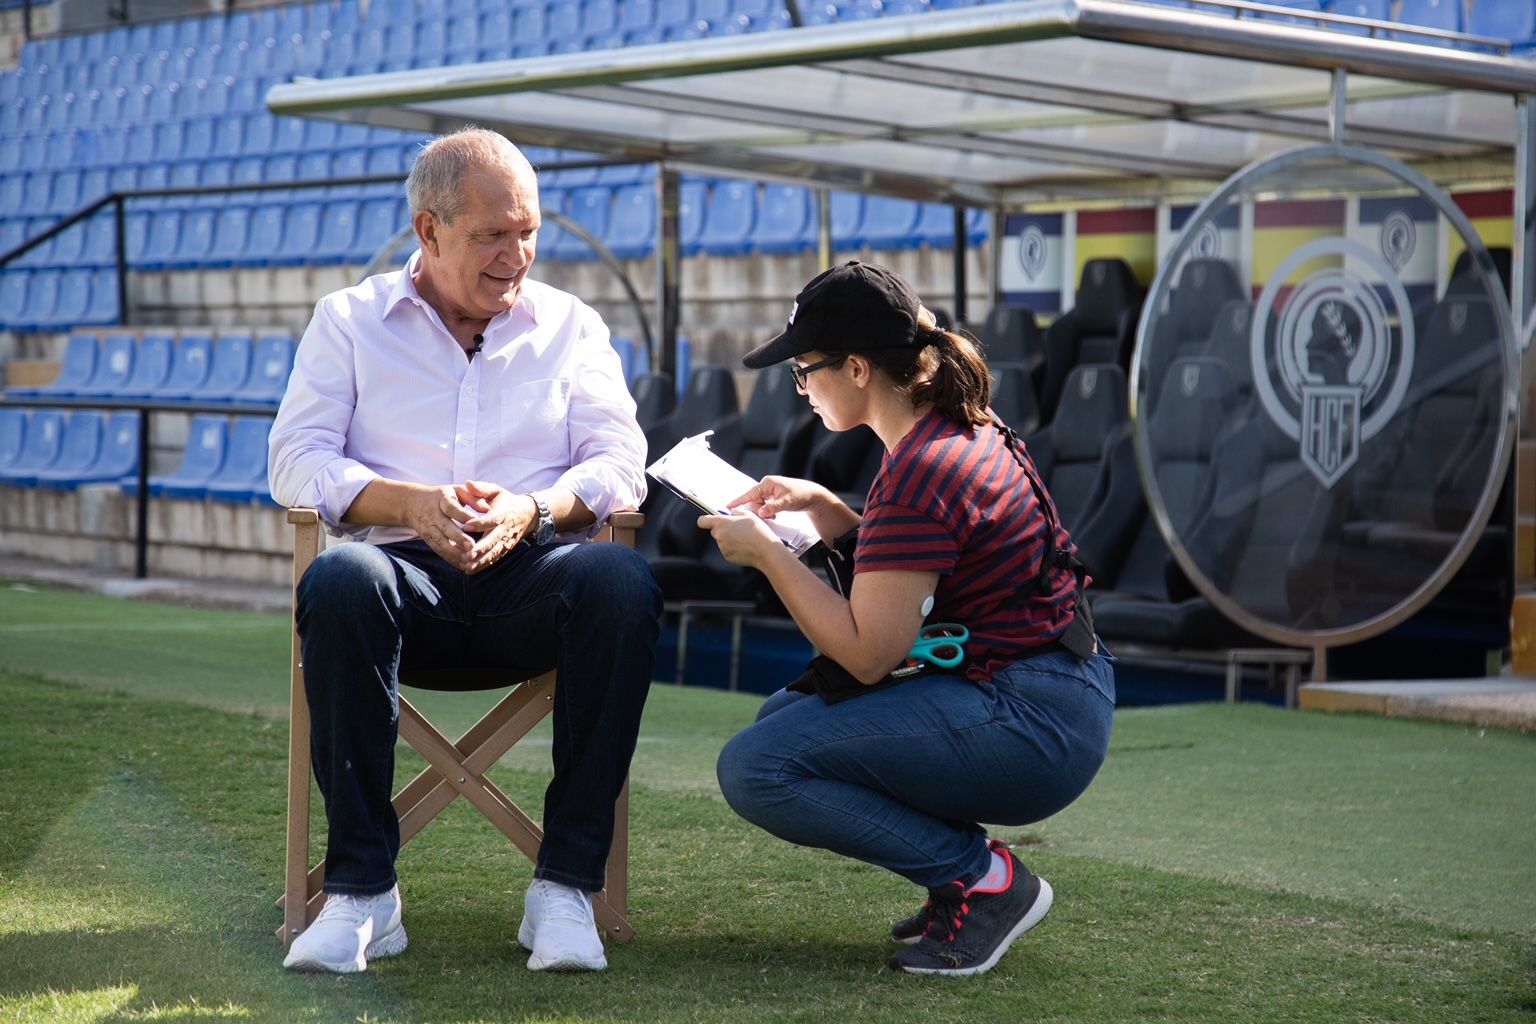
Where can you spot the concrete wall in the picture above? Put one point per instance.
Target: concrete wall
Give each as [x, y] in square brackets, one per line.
[95, 527]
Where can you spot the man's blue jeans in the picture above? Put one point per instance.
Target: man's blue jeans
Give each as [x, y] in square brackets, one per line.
[591, 611]
[901, 777]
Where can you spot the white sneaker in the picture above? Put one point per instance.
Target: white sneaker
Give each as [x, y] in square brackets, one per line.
[350, 931]
[559, 929]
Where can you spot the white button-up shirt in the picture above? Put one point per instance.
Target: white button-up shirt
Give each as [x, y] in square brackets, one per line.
[380, 388]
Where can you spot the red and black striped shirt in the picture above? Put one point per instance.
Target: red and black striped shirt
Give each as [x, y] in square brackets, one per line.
[954, 500]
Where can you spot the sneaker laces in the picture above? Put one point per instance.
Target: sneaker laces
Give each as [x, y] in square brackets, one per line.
[947, 910]
[345, 909]
[562, 903]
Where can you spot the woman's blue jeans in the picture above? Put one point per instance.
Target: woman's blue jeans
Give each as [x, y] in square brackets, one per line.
[364, 612]
[901, 777]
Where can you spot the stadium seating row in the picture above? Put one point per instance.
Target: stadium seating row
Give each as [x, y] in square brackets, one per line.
[316, 227]
[236, 367]
[225, 458]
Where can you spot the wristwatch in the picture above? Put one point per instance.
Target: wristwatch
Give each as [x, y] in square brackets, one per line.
[543, 525]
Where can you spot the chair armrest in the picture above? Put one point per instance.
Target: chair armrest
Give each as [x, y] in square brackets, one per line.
[306, 540]
[621, 527]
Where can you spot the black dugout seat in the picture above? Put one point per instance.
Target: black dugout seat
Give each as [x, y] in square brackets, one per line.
[1146, 599]
[1099, 328]
[1195, 312]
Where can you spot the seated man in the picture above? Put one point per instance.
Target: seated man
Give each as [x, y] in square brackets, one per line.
[456, 417]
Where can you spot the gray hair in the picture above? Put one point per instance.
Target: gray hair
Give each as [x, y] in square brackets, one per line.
[434, 181]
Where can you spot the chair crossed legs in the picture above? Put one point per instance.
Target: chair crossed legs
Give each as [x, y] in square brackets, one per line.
[454, 769]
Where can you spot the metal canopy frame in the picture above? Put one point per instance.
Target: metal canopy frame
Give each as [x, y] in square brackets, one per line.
[999, 106]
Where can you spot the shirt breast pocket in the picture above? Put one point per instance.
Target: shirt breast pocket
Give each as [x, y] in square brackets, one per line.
[534, 421]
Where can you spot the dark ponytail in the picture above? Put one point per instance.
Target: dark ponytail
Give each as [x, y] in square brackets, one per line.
[949, 371]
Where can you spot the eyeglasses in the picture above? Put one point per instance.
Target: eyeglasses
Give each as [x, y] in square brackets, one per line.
[802, 372]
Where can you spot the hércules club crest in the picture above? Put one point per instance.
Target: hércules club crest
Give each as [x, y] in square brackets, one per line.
[1328, 366]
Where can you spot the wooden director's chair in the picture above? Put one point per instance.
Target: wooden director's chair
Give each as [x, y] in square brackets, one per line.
[454, 769]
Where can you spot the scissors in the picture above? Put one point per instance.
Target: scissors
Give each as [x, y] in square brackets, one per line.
[941, 644]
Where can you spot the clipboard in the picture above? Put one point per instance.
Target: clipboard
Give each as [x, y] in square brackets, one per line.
[693, 472]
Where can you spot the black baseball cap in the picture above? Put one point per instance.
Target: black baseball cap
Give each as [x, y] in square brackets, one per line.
[855, 307]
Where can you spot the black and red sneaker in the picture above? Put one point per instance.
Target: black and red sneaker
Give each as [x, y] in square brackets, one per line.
[968, 932]
[909, 930]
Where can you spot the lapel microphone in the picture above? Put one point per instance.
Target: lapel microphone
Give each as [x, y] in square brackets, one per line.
[479, 344]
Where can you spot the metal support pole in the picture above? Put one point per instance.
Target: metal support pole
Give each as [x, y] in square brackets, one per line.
[1337, 102]
[1522, 278]
[668, 270]
[823, 228]
[120, 221]
[999, 227]
[141, 503]
[960, 268]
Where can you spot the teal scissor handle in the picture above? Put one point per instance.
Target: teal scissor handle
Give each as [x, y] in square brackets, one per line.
[941, 644]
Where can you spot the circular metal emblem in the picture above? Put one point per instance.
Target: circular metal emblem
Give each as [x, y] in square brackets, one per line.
[1398, 238]
[1032, 252]
[1323, 425]
[1207, 242]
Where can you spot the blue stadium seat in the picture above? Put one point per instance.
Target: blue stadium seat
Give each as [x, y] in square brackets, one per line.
[102, 305]
[66, 191]
[136, 244]
[848, 219]
[301, 234]
[692, 200]
[231, 132]
[42, 300]
[12, 188]
[230, 367]
[890, 223]
[377, 224]
[196, 238]
[114, 365]
[151, 365]
[673, 13]
[338, 232]
[1377, 10]
[529, 24]
[76, 367]
[189, 366]
[37, 192]
[495, 33]
[271, 362]
[13, 434]
[1441, 14]
[788, 220]
[15, 287]
[117, 455]
[163, 241]
[40, 446]
[231, 234]
[207, 437]
[266, 235]
[78, 449]
[243, 475]
[729, 218]
[590, 209]
[74, 305]
[431, 49]
[69, 247]
[632, 230]
[101, 240]
[1503, 20]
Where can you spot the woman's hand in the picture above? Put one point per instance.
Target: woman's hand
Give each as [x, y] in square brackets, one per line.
[744, 539]
[775, 494]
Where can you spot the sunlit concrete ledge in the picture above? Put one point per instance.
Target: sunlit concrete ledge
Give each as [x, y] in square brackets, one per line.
[1504, 702]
